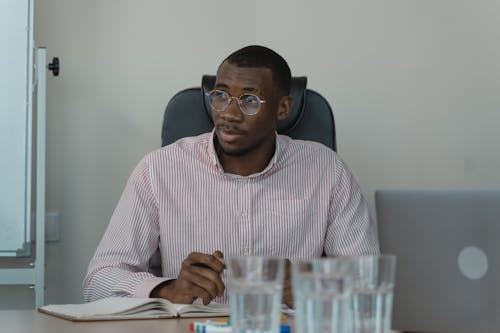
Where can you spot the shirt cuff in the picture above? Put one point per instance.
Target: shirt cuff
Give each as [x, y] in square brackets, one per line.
[147, 286]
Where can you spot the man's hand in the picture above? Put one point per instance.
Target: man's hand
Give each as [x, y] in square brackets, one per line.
[287, 285]
[200, 277]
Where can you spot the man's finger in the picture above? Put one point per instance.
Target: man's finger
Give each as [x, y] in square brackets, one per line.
[201, 293]
[220, 256]
[203, 280]
[203, 261]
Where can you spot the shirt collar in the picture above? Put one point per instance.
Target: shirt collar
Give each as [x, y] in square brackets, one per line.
[215, 159]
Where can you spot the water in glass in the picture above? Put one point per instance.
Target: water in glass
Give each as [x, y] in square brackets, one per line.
[372, 310]
[257, 307]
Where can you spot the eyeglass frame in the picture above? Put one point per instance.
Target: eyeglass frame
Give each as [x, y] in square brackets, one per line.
[238, 101]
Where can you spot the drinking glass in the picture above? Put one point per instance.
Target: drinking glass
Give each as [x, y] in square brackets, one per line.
[322, 295]
[255, 289]
[373, 284]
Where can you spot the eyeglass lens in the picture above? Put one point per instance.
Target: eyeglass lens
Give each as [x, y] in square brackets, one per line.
[248, 103]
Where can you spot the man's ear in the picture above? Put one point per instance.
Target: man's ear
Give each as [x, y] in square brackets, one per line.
[285, 107]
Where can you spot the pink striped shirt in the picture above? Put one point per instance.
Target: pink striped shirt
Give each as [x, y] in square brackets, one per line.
[178, 198]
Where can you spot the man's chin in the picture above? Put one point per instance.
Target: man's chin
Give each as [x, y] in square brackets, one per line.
[231, 150]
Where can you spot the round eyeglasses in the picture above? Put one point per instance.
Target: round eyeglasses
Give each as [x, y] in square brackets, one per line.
[249, 103]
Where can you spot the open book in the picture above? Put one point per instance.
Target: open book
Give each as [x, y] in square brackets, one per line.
[120, 308]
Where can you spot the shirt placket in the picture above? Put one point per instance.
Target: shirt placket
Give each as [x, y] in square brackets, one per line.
[246, 222]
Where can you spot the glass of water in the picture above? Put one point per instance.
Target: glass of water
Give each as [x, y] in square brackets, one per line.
[373, 284]
[322, 295]
[255, 289]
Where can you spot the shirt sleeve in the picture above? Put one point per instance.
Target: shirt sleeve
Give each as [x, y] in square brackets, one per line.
[350, 228]
[120, 263]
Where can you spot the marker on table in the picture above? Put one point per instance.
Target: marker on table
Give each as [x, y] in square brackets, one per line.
[210, 327]
[221, 327]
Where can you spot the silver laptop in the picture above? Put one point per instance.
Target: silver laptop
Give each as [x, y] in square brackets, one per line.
[448, 258]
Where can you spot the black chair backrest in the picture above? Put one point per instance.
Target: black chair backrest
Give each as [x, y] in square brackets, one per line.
[311, 118]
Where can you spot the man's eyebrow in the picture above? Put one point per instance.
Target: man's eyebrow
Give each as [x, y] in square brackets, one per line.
[221, 85]
[225, 86]
[251, 89]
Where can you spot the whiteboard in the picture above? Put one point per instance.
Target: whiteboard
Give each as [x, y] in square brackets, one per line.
[16, 59]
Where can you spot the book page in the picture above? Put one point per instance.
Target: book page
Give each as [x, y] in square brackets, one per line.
[113, 308]
[200, 310]
[120, 308]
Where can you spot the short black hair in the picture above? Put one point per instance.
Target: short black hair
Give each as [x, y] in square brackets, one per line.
[261, 56]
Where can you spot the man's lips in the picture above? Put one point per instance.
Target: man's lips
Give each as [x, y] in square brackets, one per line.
[229, 134]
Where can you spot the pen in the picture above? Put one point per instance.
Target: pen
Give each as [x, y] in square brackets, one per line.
[215, 329]
[221, 327]
[202, 265]
[210, 327]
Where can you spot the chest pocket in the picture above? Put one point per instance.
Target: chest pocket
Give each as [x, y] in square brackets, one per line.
[286, 227]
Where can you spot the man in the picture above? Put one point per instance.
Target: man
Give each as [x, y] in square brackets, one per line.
[239, 190]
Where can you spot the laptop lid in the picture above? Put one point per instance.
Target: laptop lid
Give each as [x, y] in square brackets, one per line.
[448, 258]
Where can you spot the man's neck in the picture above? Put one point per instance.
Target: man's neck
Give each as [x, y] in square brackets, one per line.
[247, 164]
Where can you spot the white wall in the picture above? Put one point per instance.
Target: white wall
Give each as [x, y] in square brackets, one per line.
[414, 87]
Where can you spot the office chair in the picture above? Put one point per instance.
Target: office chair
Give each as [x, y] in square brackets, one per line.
[188, 114]
[311, 117]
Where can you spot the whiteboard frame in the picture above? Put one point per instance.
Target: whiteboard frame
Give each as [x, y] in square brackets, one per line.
[22, 205]
[35, 275]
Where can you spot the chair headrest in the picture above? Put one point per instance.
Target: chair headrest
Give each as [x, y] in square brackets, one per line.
[297, 90]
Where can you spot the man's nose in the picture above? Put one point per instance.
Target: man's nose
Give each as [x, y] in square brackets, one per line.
[233, 110]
